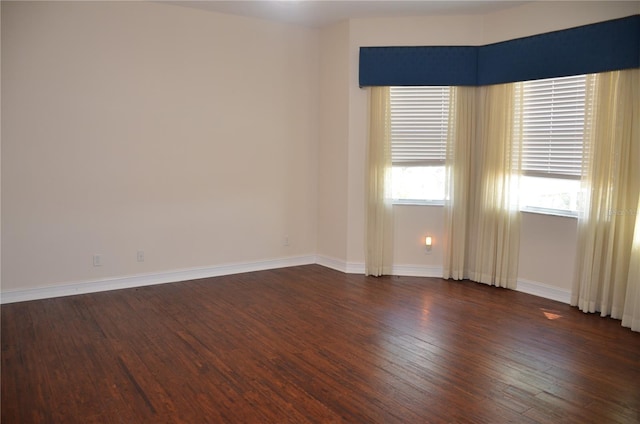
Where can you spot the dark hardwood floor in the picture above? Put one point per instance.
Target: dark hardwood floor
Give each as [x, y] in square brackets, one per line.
[308, 344]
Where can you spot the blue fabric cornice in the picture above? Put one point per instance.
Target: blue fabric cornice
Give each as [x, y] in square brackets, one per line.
[601, 47]
[440, 65]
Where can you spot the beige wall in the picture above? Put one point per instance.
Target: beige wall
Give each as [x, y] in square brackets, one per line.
[187, 134]
[539, 17]
[548, 249]
[412, 225]
[334, 142]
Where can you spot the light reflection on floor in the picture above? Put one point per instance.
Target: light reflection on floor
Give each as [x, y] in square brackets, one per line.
[549, 314]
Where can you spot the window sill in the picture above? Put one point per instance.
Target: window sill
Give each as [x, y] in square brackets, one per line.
[418, 202]
[553, 212]
[538, 211]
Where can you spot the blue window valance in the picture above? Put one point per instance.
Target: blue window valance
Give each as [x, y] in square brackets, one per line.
[600, 47]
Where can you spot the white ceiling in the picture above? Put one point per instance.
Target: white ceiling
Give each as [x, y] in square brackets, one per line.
[318, 13]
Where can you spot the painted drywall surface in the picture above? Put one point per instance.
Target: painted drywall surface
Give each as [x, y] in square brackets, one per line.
[134, 126]
[444, 30]
[540, 17]
[409, 240]
[530, 19]
[333, 143]
[548, 249]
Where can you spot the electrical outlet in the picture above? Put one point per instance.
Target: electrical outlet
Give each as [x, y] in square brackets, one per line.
[285, 241]
[140, 255]
[97, 260]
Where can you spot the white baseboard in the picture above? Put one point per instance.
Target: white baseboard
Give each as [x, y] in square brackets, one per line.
[543, 290]
[333, 263]
[358, 268]
[525, 286]
[417, 271]
[355, 268]
[150, 279]
[340, 265]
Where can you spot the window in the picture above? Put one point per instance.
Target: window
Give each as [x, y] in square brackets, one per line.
[419, 125]
[553, 132]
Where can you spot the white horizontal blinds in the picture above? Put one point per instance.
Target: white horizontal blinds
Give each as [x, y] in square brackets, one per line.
[419, 121]
[553, 127]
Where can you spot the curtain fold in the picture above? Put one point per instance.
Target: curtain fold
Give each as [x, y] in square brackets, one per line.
[631, 313]
[462, 125]
[379, 207]
[482, 221]
[494, 240]
[606, 277]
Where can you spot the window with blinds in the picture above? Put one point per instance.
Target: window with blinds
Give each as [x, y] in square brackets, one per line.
[419, 121]
[553, 127]
[553, 133]
[419, 125]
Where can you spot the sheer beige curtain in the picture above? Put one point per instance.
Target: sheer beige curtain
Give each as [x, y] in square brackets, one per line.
[606, 273]
[631, 313]
[379, 208]
[462, 126]
[482, 221]
[495, 220]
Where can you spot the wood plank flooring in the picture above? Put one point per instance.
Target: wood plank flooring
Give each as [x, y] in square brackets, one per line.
[311, 345]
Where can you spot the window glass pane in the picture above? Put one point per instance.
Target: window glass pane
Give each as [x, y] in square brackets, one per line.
[418, 182]
[419, 126]
[553, 132]
[558, 194]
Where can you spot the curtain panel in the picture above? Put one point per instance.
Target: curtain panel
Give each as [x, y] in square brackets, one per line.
[606, 277]
[631, 312]
[482, 220]
[379, 206]
[461, 138]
